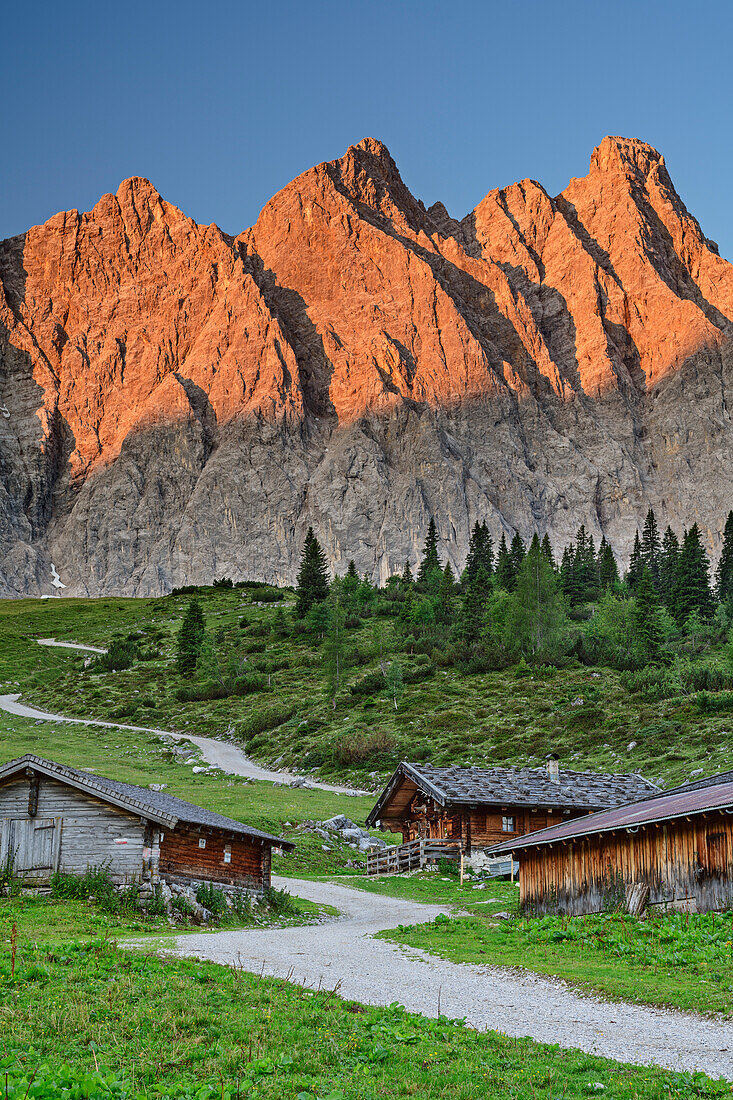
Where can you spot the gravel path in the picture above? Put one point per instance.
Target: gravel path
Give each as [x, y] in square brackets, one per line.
[70, 645]
[343, 953]
[219, 753]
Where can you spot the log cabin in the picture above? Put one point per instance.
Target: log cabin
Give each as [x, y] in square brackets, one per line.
[677, 845]
[57, 818]
[478, 807]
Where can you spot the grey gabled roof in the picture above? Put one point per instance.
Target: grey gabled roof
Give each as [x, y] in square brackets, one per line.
[514, 786]
[158, 806]
[684, 802]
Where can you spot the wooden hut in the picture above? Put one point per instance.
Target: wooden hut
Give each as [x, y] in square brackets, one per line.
[678, 845]
[56, 818]
[477, 807]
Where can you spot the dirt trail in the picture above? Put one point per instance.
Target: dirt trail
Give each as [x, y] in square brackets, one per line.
[219, 753]
[343, 952]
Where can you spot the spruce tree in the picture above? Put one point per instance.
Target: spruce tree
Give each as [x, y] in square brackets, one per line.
[312, 586]
[724, 572]
[473, 612]
[517, 553]
[647, 642]
[503, 573]
[430, 563]
[585, 567]
[692, 592]
[546, 547]
[668, 565]
[607, 567]
[567, 573]
[651, 547]
[190, 638]
[406, 580]
[635, 565]
[480, 553]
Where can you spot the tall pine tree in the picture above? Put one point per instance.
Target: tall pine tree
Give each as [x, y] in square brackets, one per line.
[537, 619]
[651, 547]
[668, 565]
[647, 630]
[724, 572]
[312, 586]
[546, 547]
[504, 573]
[607, 567]
[692, 591]
[635, 565]
[480, 553]
[430, 563]
[473, 612]
[517, 553]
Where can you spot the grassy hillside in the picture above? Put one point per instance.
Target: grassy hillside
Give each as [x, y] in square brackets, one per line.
[447, 716]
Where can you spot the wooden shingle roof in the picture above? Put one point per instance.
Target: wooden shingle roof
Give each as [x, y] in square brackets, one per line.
[514, 786]
[165, 809]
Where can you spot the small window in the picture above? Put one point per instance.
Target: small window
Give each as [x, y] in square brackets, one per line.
[507, 824]
[227, 853]
[202, 842]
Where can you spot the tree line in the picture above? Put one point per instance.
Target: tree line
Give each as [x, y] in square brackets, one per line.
[511, 602]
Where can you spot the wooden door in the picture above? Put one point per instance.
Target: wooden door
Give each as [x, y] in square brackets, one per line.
[32, 845]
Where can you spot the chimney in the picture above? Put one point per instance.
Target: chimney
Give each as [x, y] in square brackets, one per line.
[553, 767]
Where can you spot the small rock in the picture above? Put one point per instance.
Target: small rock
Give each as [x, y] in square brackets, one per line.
[631, 745]
[578, 701]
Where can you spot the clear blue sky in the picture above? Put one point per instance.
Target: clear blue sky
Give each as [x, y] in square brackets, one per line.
[221, 104]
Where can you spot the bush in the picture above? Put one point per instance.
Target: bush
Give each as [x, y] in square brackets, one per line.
[267, 718]
[278, 901]
[266, 595]
[120, 655]
[250, 683]
[368, 684]
[198, 693]
[211, 897]
[360, 746]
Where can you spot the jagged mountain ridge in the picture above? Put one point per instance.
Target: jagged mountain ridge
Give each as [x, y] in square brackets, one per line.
[179, 405]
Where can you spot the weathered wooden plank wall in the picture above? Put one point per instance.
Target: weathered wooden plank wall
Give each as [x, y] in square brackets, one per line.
[682, 859]
[92, 832]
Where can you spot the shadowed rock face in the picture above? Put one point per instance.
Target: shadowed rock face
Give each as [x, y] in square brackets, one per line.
[177, 405]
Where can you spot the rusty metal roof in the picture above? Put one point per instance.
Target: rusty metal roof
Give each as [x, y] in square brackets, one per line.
[514, 786]
[686, 802]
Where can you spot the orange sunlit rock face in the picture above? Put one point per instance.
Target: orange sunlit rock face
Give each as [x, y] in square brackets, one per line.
[181, 404]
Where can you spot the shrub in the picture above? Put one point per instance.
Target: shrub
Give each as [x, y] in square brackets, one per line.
[198, 693]
[120, 655]
[368, 684]
[266, 718]
[361, 745]
[249, 683]
[211, 897]
[278, 901]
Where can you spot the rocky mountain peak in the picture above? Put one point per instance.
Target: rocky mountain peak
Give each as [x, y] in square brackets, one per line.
[177, 405]
[619, 154]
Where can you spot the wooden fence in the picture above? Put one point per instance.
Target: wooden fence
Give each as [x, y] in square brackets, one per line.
[410, 856]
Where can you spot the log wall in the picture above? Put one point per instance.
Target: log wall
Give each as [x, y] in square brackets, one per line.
[481, 827]
[182, 857]
[682, 861]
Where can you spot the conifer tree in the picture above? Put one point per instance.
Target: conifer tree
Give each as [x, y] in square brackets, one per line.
[692, 592]
[537, 619]
[668, 565]
[724, 572]
[446, 592]
[430, 563]
[517, 553]
[568, 575]
[312, 586]
[647, 630]
[473, 612]
[585, 567]
[406, 580]
[503, 574]
[480, 553]
[651, 547]
[607, 567]
[546, 547]
[635, 565]
[190, 638]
